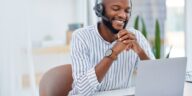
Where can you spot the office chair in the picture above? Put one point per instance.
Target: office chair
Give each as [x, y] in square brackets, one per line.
[57, 81]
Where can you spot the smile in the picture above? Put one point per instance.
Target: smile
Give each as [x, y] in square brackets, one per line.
[119, 22]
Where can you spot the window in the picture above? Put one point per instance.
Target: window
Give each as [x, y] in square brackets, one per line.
[174, 29]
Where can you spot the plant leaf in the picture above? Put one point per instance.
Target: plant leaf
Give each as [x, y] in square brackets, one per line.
[144, 31]
[157, 40]
[136, 24]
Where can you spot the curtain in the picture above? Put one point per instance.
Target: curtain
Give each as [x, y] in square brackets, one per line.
[85, 13]
[14, 51]
[92, 18]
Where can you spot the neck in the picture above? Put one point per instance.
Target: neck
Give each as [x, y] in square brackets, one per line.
[106, 33]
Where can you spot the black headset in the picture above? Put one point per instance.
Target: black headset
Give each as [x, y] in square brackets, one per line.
[99, 8]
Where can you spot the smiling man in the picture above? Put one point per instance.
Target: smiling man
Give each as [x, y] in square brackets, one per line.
[104, 55]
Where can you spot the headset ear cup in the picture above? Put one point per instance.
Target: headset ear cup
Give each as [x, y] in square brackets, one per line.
[99, 10]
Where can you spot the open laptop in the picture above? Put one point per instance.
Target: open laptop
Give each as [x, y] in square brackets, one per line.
[163, 77]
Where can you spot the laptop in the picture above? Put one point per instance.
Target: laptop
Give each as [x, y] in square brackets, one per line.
[163, 77]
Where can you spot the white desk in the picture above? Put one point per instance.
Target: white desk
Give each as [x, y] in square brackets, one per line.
[188, 89]
[122, 92]
[130, 91]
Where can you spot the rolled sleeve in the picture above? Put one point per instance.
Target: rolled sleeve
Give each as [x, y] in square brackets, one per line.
[87, 83]
[92, 77]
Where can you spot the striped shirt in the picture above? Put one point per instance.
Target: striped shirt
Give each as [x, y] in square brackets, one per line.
[88, 49]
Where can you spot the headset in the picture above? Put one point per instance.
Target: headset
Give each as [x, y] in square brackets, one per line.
[99, 9]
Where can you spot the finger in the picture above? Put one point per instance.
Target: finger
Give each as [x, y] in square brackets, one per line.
[128, 36]
[125, 37]
[126, 42]
[128, 32]
[129, 42]
[132, 37]
[122, 33]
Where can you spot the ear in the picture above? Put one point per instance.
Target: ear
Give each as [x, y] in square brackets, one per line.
[99, 9]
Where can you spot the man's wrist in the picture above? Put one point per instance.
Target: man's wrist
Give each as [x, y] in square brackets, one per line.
[140, 51]
[142, 55]
[111, 53]
[114, 55]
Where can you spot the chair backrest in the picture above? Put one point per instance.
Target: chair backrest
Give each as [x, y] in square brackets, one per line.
[57, 81]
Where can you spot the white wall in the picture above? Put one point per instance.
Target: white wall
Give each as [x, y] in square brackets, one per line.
[17, 19]
[51, 17]
[188, 22]
[81, 7]
[13, 31]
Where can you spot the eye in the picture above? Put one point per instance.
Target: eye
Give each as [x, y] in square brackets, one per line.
[116, 8]
[128, 10]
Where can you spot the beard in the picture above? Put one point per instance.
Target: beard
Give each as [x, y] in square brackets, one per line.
[109, 25]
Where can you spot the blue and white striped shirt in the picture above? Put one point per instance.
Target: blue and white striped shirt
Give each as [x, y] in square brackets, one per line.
[88, 49]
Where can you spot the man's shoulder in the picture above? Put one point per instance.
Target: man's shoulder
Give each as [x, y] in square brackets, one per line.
[133, 30]
[84, 31]
[137, 33]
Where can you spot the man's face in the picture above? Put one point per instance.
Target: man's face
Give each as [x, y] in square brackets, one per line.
[117, 11]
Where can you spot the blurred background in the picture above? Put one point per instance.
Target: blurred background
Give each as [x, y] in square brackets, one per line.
[35, 35]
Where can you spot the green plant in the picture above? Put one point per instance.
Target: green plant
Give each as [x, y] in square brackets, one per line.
[157, 40]
[136, 25]
[157, 47]
[144, 31]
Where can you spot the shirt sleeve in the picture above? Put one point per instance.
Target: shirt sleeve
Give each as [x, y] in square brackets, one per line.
[143, 42]
[85, 79]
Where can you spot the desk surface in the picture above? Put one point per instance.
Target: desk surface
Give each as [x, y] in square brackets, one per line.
[188, 89]
[130, 91]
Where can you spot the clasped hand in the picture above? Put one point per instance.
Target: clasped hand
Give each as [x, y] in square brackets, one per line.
[126, 41]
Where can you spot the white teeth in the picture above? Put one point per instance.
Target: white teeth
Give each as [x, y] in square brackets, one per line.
[118, 21]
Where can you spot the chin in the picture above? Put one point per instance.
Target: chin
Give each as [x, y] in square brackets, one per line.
[118, 28]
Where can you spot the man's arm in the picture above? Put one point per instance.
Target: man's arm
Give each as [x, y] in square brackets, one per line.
[103, 66]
